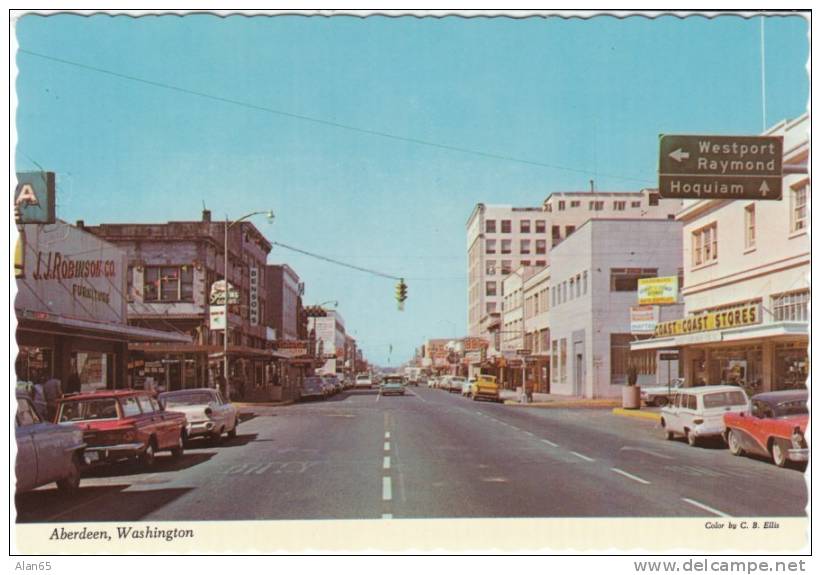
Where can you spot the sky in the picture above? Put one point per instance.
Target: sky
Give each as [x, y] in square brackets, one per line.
[372, 139]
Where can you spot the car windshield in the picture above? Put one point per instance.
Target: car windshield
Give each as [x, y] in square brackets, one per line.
[789, 408]
[392, 381]
[183, 399]
[724, 399]
[88, 409]
[458, 380]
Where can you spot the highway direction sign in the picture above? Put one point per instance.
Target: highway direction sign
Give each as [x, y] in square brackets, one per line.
[720, 167]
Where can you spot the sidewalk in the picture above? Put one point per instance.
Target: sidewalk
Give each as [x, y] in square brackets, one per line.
[510, 397]
[241, 404]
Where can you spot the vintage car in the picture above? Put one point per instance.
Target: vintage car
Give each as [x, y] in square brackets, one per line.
[455, 384]
[660, 395]
[312, 388]
[207, 413]
[485, 387]
[774, 427]
[392, 384]
[123, 424]
[698, 412]
[46, 452]
[364, 381]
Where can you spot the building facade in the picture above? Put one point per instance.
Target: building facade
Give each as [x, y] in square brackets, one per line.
[746, 291]
[536, 292]
[329, 333]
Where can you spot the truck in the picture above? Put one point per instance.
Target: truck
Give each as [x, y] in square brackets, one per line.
[413, 375]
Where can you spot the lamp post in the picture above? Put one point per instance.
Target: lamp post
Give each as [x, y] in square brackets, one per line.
[228, 225]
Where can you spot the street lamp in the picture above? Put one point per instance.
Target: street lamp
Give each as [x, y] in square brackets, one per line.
[228, 225]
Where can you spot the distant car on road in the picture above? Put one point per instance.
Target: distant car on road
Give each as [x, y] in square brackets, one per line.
[392, 385]
[124, 424]
[363, 381]
[313, 387]
[455, 384]
[46, 452]
[698, 412]
[332, 381]
[207, 413]
[774, 427]
[432, 380]
[660, 395]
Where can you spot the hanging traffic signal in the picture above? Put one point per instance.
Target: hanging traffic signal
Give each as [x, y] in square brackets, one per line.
[401, 294]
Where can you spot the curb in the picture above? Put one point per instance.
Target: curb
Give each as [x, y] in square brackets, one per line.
[560, 404]
[637, 413]
[263, 403]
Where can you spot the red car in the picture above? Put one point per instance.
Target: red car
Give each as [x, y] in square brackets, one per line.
[123, 424]
[773, 428]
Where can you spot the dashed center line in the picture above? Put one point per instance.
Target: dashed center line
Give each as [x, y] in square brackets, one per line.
[387, 446]
[387, 516]
[386, 462]
[387, 494]
[629, 475]
[387, 435]
[530, 433]
[580, 456]
[705, 507]
[550, 443]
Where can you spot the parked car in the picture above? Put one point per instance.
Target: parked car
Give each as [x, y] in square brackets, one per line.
[364, 381]
[207, 413]
[392, 384]
[485, 387]
[432, 380]
[466, 388]
[46, 452]
[313, 387]
[124, 424]
[660, 395]
[698, 412]
[455, 384]
[774, 427]
[333, 381]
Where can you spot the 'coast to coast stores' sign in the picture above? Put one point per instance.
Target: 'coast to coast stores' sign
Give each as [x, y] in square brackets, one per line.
[735, 317]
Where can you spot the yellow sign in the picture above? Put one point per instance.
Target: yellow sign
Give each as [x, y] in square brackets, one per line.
[658, 291]
[734, 317]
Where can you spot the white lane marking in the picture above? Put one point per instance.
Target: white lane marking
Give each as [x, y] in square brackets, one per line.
[387, 446]
[705, 507]
[387, 435]
[550, 443]
[386, 489]
[629, 475]
[419, 397]
[378, 395]
[387, 516]
[386, 462]
[579, 455]
[479, 413]
[529, 433]
[647, 451]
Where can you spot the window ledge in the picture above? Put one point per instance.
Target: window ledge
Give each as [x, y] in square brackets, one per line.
[749, 250]
[703, 266]
[798, 233]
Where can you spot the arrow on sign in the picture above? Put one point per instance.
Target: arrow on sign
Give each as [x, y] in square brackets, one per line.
[679, 155]
[764, 189]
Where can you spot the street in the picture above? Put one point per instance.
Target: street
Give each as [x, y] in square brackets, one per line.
[429, 454]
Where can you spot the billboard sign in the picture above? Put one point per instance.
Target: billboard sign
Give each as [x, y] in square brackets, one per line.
[658, 291]
[253, 292]
[702, 167]
[34, 198]
[643, 319]
[218, 293]
[217, 317]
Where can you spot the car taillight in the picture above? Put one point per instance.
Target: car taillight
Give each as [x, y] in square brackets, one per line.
[797, 438]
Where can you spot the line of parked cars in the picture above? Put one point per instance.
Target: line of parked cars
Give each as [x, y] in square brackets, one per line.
[770, 424]
[481, 387]
[323, 386]
[110, 426]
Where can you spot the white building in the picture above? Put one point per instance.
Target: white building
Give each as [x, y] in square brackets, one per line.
[330, 332]
[746, 283]
[537, 324]
[500, 238]
[593, 284]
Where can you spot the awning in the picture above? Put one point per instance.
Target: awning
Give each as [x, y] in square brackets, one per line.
[213, 351]
[781, 330]
[51, 323]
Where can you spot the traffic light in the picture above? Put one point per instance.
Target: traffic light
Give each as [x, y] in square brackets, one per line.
[401, 293]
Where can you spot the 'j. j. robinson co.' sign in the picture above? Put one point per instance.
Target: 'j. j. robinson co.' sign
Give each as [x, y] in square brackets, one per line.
[734, 317]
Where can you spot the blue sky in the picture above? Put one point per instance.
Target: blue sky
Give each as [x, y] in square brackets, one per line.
[584, 98]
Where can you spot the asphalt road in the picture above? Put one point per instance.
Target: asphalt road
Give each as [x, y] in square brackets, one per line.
[430, 454]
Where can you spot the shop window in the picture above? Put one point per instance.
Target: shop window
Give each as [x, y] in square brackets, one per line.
[705, 244]
[506, 226]
[619, 356]
[790, 306]
[541, 226]
[791, 366]
[798, 208]
[524, 226]
[490, 227]
[627, 279]
[749, 226]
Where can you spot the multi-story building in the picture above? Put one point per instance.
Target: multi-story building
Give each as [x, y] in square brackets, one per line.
[170, 270]
[593, 284]
[746, 283]
[500, 238]
[512, 334]
[328, 330]
[537, 325]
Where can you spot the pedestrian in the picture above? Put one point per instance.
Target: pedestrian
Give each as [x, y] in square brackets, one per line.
[53, 391]
[73, 384]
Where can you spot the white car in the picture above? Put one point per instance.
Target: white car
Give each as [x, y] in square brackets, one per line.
[455, 384]
[208, 414]
[660, 395]
[363, 381]
[466, 388]
[698, 412]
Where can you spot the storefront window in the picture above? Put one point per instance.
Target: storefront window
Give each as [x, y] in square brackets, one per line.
[33, 363]
[554, 362]
[619, 356]
[563, 360]
[791, 365]
[740, 366]
[791, 306]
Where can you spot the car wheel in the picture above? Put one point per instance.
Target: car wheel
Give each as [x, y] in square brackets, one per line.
[669, 435]
[233, 433]
[660, 401]
[733, 443]
[147, 457]
[692, 438]
[71, 483]
[216, 437]
[180, 447]
[779, 453]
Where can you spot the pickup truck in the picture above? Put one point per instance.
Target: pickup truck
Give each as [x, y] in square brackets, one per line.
[485, 387]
